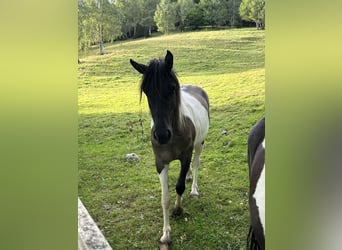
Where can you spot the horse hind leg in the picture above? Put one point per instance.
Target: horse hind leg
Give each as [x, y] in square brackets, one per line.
[196, 162]
[188, 177]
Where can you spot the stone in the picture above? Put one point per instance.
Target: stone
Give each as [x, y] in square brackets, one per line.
[132, 157]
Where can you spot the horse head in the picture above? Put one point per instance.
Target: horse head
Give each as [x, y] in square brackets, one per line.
[161, 87]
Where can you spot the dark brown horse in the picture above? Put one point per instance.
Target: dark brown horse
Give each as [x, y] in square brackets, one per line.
[180, 123]
[256, 162]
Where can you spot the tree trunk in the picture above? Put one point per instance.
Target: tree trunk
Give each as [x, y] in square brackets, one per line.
[101, 41]
[150, 30]
[134, 31]
[262, 25]
[101, 47]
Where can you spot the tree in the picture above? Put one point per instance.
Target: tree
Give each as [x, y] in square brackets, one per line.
[253, 10]
[215, 12]
[221, 12]
[148, 10]
[165, 16]
[234, 19]
[86, 26]
[183, 7]
[195, 17]
[106, 19]
[130, 15]
[98, 22]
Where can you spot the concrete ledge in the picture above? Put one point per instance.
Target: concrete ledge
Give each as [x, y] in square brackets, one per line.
[89, 235]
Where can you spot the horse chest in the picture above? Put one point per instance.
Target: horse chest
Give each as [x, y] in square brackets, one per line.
[164, 154]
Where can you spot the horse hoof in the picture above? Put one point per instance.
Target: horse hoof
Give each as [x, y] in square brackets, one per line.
[164, 246]
[194, 194]
[177, 211]
[165, 241]
[188, 179]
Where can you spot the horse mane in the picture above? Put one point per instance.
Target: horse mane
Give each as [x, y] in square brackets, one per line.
[156, 76]
[252, 243]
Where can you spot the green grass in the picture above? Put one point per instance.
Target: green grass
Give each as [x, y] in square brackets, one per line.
[123, 197]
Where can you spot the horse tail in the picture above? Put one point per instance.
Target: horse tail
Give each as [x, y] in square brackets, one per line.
[252, 243]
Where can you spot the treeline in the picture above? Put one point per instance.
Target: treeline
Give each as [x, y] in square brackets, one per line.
[101, 21]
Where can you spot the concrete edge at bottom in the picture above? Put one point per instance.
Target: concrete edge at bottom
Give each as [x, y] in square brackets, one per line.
[89, 235]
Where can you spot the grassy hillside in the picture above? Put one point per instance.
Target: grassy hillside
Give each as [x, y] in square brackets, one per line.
[123, 197]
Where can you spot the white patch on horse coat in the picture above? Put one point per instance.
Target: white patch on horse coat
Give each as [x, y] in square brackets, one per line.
[194, 110]
[259, 194]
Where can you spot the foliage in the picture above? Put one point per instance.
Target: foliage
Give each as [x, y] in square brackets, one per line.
[97, 23]
[87, 34]
[101, 21]
[183, 8]
[195, 17]
[253, 10]
[165, 16]
[123, 197]
[215, 11]
[233, 13]
[130, 15]
[149, 8]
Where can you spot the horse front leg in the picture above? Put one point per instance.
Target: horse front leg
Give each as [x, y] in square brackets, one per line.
[180, 187]
[165, 201]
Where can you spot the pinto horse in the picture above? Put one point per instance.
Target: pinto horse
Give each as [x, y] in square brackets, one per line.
[256, 162]
[180, 123]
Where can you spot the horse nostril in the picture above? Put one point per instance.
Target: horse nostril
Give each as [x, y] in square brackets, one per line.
[155, 136]
[168, 134]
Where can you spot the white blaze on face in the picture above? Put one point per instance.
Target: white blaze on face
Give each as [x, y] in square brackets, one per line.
[259, 194]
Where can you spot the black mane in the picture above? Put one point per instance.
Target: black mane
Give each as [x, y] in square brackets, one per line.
[156, 77]
[159, 81]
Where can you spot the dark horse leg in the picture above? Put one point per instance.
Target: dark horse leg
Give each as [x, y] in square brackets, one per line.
[180, 186]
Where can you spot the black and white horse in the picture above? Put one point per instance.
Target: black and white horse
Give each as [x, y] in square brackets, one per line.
[180, 123]
[256, 162]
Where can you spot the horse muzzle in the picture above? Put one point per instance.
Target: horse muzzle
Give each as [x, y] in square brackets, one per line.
[162, 136]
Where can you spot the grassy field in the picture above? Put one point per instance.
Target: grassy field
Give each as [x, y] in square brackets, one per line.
[123, 197]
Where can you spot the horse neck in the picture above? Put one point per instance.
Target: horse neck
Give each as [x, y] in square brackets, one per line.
[178, 123]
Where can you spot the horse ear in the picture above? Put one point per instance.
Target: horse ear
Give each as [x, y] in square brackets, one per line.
[169, 60]
[141, 68]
